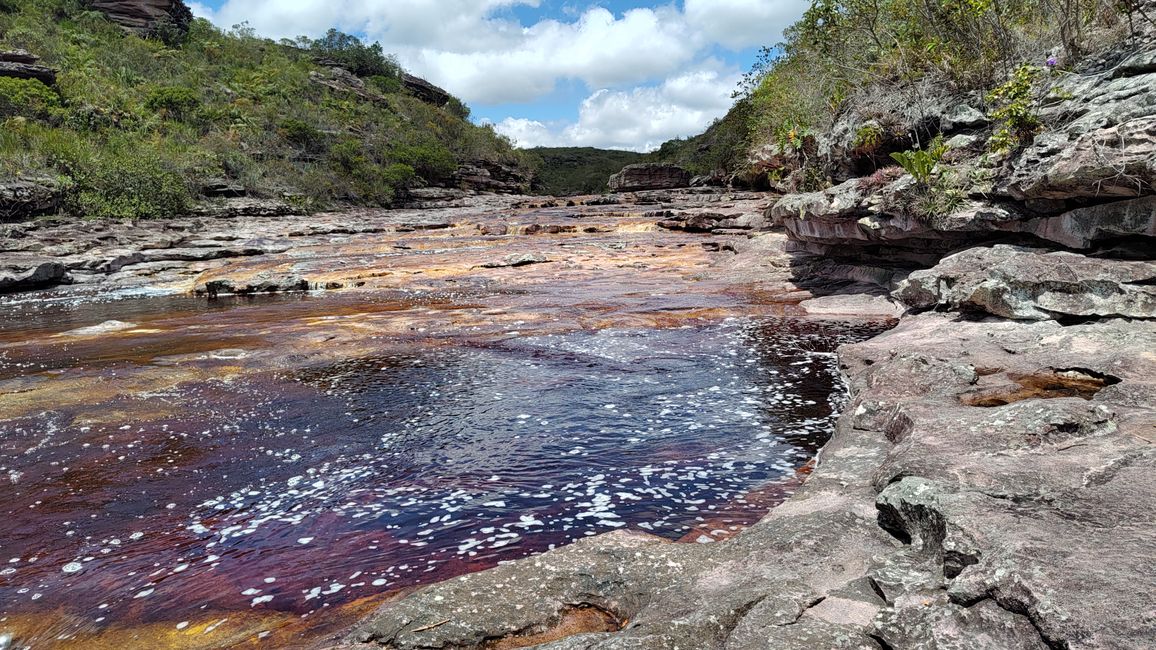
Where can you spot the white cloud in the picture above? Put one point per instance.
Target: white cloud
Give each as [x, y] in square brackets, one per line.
[639, 119]
[744, 23]
[649, 62]
[598, 49]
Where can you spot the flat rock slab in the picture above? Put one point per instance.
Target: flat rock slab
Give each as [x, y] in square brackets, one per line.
[1034, 284]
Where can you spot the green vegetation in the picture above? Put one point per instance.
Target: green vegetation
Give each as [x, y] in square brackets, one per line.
[1017, 114]
[883, 58]
[135, 126]
[922, 163]
[567, 171]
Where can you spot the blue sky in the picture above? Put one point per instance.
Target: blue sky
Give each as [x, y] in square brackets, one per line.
[623, 74]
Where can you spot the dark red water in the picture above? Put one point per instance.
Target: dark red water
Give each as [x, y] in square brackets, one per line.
[299, 488]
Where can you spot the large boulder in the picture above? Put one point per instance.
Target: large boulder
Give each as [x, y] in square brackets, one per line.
[144, 16]
[424, 90]
[489, 176]
[1034, 284]
[31, 275]
[647, 176]
[22, 199]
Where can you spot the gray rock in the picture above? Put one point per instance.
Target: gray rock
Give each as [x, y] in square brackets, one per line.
[1102, 141]
[42, 274]
[22, 199]
[1086, 227]
[515, 260]
[1033, 284]
[859, 305]
[641, 177]
[961, 117]
[12, 66]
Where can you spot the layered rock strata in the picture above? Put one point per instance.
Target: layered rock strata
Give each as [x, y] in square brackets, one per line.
[648, 176]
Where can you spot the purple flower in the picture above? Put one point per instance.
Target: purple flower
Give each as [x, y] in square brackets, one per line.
[1051, 61]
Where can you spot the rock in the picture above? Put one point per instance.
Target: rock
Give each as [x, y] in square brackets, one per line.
[649, 176]
[42, 274]
[515, 260]
[261, 283]
[962, 141]
[424, 90]
[24, 199]
[107, 327]
[19, 64]
[1087, 227]
[243, 207]
[144, 16]
[1101, 141]
[489, 176]
[1115, 161]
[222, 188]
[858, 305]
[18, 56]
[344, 81]
[962, 117]
[844, 222]
[1034, 284]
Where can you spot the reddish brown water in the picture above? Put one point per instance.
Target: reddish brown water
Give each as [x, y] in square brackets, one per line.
[215, 474]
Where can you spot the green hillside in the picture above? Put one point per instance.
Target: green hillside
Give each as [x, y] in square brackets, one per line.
[136, 126]
[567, 171]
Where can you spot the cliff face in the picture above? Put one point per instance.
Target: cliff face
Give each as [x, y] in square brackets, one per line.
[145, 15]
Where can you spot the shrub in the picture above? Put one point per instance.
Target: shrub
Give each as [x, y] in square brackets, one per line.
[386, 84]
[27, 98]
[175, 101]
[1017, 115]
[430, 159]
[128, 185]
[301, 135]
[353, 55]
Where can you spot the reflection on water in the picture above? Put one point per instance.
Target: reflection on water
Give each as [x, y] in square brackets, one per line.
[300, 490]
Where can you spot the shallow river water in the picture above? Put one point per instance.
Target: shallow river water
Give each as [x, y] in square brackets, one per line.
[177, 477]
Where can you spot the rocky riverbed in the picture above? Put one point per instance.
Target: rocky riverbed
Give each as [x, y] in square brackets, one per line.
[259, 428]
[988, 485]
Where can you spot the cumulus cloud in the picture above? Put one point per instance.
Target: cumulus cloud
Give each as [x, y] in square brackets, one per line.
[639, 119]
[744, 23]
[637, 60]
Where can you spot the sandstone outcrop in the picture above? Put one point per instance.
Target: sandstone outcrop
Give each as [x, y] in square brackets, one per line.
[24, 199]
[143, 16]
[489, 176]
[424, 90]
[20, 64]
[646, 176]
[1034, 284]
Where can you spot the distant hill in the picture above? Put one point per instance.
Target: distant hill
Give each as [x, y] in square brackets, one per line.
[567, 171]
[134, 109]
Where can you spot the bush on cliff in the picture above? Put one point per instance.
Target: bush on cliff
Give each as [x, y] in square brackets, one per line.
[221, 105]
[884, 57]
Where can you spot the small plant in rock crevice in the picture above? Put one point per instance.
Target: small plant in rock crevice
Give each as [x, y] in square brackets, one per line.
[1018, 113]
[922, 163]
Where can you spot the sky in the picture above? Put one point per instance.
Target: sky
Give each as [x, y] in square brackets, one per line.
[618, 74]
